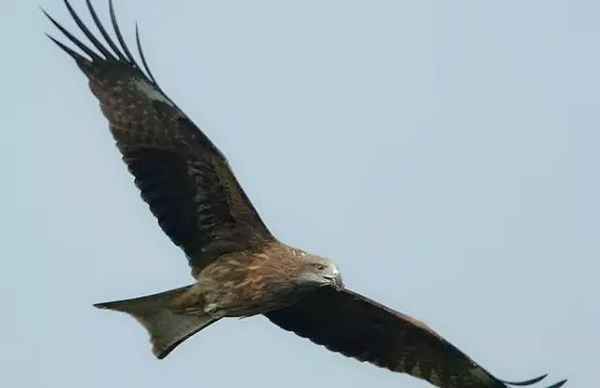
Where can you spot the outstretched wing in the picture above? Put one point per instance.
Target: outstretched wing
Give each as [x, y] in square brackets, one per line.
[183, 177]
[355, 326]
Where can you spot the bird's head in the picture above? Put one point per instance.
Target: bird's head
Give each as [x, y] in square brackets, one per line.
[320, 272]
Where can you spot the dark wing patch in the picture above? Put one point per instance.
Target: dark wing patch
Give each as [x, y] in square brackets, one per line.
[183, 177]
[164, 184]
[348, 323]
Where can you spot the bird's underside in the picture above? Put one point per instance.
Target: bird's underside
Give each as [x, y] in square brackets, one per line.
[240, 267]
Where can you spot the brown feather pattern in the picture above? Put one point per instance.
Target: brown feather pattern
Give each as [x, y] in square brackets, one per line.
[355, 326]
[181, 174]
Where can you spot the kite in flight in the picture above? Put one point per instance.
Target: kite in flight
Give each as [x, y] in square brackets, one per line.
[240, 268]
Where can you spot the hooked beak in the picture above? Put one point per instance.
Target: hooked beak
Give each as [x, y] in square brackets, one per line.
[336, 281]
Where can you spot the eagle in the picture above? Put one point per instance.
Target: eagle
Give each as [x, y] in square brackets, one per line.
[240, 268]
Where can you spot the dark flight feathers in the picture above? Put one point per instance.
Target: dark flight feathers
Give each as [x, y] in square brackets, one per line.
[351, 324]
[183, 177]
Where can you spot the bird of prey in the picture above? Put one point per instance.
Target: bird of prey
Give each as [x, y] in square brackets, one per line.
[240, 268]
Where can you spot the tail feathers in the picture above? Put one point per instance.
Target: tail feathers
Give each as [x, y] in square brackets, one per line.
[167, 328]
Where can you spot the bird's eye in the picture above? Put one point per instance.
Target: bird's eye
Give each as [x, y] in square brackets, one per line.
[319, 267]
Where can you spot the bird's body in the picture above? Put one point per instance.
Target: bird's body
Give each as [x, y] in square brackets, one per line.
[252, 282]
[240, 268]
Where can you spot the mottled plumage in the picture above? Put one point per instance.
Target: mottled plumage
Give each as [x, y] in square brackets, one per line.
[240, 268]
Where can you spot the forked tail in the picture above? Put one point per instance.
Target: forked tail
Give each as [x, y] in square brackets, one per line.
[167, 327]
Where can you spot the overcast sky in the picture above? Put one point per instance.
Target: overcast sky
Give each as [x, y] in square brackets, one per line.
[444, 154]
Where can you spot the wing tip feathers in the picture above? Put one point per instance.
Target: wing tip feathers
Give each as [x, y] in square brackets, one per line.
[95, 57]
[526, 382]
[534, 381]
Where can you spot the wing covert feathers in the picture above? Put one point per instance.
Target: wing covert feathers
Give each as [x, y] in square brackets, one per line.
[350, 324]
[181, 174]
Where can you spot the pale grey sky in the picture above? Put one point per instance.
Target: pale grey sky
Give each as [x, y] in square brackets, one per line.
[444, 154]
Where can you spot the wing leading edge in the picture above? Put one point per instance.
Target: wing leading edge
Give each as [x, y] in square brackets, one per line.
[355, 326]
[181, 174]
